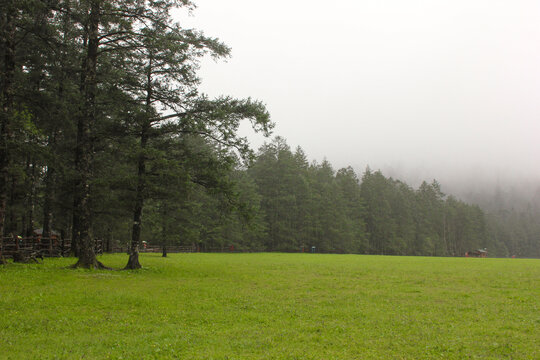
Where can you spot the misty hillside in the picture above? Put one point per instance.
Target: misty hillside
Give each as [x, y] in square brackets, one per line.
[510, 202]
[375, 214]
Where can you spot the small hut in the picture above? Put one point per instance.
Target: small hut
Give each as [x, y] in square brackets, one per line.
[480, 253]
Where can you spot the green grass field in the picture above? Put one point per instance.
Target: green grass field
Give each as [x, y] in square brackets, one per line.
[272, 306]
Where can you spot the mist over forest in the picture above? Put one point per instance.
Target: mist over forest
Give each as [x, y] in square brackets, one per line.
[228, 184]
[486, 188]
[109, 132]
[421, 91]
[510, 206]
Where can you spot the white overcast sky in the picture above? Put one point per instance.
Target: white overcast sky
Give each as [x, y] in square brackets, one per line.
[426, 88]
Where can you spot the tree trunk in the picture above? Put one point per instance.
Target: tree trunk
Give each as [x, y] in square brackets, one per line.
[164, 238]
[133, 261]
[84, 153]
[7, 41]
[74, 229]
[2, 260]
[30, 205]
[109, 240]
[49, 195]
[11, 227]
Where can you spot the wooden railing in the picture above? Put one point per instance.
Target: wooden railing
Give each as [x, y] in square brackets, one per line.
[55, 247]
[49, 247]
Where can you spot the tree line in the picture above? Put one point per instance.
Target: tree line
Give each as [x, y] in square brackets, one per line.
[282, 202]
[308, 205]
[104, 134]
[299, 205]
[101, 114]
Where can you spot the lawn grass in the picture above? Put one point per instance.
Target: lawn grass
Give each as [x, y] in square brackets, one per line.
[272, 306]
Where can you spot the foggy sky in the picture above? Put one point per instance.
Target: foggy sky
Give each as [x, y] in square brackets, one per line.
[425, 89]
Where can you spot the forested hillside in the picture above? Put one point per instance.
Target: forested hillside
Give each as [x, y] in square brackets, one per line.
[104, 134]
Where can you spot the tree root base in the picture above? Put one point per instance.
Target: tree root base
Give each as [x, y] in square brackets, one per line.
[95, 265]
[26, 258]
[133, 262]
[130, 267]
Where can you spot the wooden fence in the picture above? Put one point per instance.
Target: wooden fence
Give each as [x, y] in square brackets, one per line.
[177, 249]
[156, 249]
[49, 247]
[55, 247]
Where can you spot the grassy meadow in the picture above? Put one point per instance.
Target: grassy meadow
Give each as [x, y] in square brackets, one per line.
[272, 306]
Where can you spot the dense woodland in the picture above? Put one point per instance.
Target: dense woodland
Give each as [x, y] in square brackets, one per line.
[305, 205]
[104, 134]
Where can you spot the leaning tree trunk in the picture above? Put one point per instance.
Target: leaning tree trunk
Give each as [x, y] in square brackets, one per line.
[85, 149]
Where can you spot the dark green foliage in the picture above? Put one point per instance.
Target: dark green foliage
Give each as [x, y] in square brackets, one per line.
[311, 205]
[104, 134]
[99, 102]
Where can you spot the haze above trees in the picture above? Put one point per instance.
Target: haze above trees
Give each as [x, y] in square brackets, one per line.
[106, 135]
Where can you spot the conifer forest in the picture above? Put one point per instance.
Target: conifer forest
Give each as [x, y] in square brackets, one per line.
[106, 135]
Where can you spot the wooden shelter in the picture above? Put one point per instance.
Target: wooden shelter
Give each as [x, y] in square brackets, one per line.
[480, 253]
